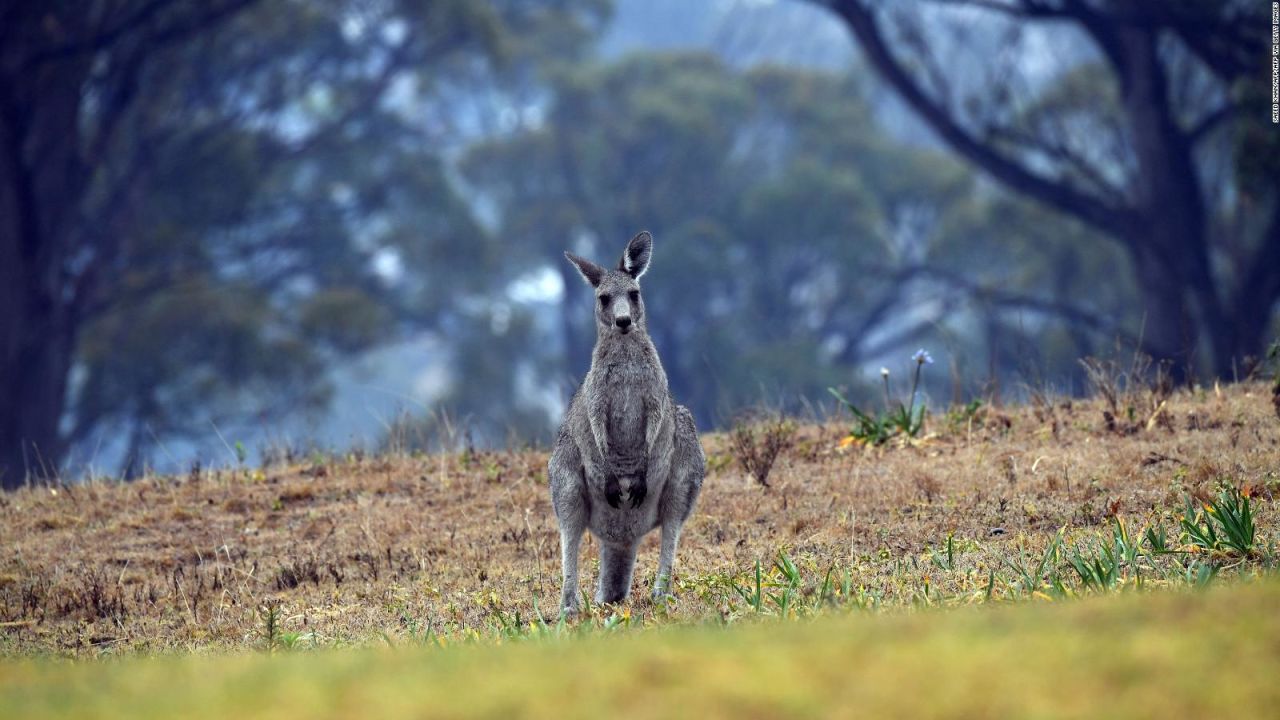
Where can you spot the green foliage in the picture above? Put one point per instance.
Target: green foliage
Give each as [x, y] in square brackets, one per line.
[1223, 527]
[960, 417]
[867, 429]
[778, 591]
[945, 561]
[1102, 568]
[753, 596]
[270, 616]
[903, 419]
[1036, 574]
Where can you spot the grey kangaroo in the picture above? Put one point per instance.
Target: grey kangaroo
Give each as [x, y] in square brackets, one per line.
[627, 459]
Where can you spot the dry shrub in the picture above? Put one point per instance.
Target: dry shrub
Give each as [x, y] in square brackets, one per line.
[928, 486]
[1135, 396]
[757, 442]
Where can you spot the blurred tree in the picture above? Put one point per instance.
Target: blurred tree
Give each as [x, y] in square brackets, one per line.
[1132, 135]
[794, 240]
[201, 202]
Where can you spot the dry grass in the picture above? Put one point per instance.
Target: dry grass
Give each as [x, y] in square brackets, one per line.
[349, 550]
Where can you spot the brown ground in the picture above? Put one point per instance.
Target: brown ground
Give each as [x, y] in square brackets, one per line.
[357, 549]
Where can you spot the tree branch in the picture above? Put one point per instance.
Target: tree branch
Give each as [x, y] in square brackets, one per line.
[1110, 219]
[1060, 152]
[1211, 120]
[133, 23]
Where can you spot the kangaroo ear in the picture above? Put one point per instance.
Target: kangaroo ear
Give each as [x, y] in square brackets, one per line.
[635, 259]
[590, 271]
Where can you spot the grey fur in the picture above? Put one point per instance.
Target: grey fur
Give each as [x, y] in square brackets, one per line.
[627, 459]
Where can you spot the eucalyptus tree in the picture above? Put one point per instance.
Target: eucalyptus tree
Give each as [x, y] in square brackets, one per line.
[203, 203]
[799, 241]
[1143, 120]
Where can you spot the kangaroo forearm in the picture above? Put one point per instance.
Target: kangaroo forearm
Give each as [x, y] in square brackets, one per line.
[599, 436]
[597, 412]
[657, 426]
[593, 461]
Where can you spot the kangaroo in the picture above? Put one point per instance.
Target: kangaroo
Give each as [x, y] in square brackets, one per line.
[627, 459]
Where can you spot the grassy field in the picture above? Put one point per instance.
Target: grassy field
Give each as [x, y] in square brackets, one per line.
[1214, 653]
[1025, 506]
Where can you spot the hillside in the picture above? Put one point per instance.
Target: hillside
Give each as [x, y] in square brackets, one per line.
[331, 551]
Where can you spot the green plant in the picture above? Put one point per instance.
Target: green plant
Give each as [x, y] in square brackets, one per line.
[899, 418]
[1223, 527]
[270, 615]
[1097, 571]
[826, 593]
[1198, 574]
[959, 417]
[753, 598]
[1034, 578]
[948, 561]
[1158, 541]
[292, 640]
[867, 429]
[792, 582]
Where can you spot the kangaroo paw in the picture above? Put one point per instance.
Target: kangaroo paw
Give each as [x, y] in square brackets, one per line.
[639, 488]
[612, 490]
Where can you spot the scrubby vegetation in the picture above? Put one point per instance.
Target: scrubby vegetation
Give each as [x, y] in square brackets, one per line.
[985, 506]
[1053, 500]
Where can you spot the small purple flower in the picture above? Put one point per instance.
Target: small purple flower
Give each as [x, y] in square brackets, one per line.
[922, 356]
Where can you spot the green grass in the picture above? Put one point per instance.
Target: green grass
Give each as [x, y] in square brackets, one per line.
[1166, 654]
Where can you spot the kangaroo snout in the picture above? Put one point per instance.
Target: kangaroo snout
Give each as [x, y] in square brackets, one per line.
[623, 323]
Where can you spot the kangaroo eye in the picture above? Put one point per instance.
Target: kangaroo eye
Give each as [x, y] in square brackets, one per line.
[604, 300]
[634, 295]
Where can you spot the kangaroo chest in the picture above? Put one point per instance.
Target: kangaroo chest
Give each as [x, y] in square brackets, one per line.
[627, 388]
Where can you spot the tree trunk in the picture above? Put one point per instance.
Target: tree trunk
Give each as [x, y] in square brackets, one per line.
[1256, 296]
[1168, 329]
[1169, 243]
[35, 352]
[41, 182]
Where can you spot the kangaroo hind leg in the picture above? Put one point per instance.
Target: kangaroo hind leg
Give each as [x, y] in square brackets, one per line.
[688, 468]
[571, 504]
[617, 563]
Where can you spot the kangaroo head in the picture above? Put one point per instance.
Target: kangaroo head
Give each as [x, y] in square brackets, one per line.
[619, 307]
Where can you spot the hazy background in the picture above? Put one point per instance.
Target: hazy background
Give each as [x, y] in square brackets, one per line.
[236, 227]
